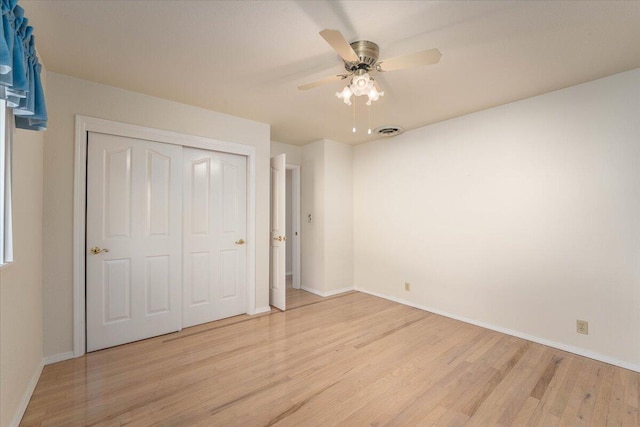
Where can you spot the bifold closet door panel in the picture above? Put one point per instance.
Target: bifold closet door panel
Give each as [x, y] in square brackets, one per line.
[214, 233]
[134, 240]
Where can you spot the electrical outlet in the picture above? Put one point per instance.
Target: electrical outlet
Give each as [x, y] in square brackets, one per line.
[582, 327]
[407, 286]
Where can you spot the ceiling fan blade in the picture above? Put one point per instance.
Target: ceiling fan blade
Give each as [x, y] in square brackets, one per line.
[427, 57]
[320, 82]
[340, 45]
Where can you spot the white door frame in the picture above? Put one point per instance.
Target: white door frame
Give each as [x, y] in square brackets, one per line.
[90, 124]
[295, 226]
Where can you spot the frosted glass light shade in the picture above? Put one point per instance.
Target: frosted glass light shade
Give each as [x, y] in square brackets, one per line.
[361, 85]
[374, 95]
[345, 95]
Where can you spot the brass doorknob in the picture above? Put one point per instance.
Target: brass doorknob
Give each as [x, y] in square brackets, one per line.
[96, 250]
[240, 242]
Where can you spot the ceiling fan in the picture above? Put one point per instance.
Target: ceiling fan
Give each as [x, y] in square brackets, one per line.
[360, 58]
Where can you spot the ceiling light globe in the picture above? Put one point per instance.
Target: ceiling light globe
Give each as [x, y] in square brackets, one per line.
[345, 95]
[360, 85]
[374, 95]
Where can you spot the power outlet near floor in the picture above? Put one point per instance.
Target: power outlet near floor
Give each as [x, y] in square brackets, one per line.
[407, 286]
[582, 327]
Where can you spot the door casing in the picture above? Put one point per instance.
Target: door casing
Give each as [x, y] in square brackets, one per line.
[86, 124]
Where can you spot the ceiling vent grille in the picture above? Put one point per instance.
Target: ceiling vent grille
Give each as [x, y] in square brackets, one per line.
[389, 131]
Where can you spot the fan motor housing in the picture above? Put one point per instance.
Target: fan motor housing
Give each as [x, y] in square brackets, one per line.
[368, 53]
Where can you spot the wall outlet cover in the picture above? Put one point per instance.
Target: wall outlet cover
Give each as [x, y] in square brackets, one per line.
[582, 327]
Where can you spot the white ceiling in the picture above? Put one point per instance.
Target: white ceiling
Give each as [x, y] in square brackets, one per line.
[247, 58]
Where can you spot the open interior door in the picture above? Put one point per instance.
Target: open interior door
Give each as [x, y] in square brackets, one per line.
[277, 282]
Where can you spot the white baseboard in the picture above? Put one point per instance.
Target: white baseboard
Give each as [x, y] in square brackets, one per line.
[24, 402]
[260, 310]
[327, 294]
[55, 358]
[560, 346]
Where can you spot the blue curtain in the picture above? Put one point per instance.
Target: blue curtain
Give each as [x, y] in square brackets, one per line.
[20, 84]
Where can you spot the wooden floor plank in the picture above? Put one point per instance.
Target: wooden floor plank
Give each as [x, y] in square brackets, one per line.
[631, 398]
[351, 359]
[569, 415]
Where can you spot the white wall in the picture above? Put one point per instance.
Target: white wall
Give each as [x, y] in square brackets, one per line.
[21, 282]
[523, 217]
[327, 194]
[338, 205]
[68, 96]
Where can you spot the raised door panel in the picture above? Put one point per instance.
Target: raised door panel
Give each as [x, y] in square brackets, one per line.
[229, 274]
[117, 290]
[199, 195]
[230, 194]
[157, 276]
[275, 206]
[117, 193]
[158, 193]
[199, 280]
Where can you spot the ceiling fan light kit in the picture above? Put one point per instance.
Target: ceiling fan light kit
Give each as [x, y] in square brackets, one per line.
[361, 84]
[360, 58]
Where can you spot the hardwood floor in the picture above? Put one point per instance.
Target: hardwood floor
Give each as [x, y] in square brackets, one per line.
[298, 297]
[351, 360]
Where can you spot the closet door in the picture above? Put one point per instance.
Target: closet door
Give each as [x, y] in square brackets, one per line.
[134, 237]
[214, 233]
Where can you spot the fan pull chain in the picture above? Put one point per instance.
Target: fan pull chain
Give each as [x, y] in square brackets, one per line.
[369, 131]
[354, 115]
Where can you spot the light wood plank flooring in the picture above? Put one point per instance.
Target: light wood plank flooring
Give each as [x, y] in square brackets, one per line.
[298, 297]
[351, 360]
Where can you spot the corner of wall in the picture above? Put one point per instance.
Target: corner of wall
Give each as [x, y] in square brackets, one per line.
[327, 194]
[312, 212]
[338, 235]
